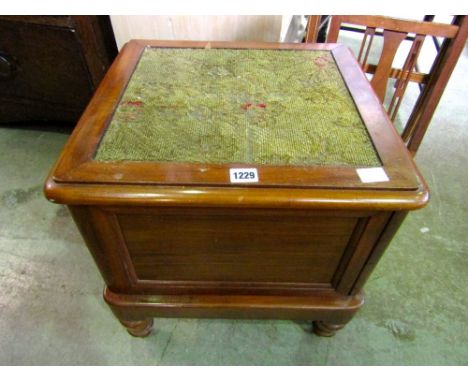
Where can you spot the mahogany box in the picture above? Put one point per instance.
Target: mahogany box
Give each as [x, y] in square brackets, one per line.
[247, 180]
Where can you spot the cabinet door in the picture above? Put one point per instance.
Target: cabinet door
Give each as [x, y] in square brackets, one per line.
[44, 69]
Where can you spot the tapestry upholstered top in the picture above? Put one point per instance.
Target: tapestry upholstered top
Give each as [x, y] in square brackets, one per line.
[252, 106]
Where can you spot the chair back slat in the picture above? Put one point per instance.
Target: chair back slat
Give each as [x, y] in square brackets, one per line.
[400, 25]
[312, 28]
[414, 76]
[392, 41]
[369, 32]
[404, 78]
[334, 29]
[440, 73]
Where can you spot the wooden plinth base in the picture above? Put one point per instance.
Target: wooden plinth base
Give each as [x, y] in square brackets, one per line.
[329, 311]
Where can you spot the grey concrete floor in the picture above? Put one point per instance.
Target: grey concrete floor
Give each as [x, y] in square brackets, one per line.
[51, 310]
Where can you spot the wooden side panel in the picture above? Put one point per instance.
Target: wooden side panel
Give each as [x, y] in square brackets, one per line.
[233, 248]
[231, 251]
[103, 238]
[390, 230]
[359, 251]
[81, 216]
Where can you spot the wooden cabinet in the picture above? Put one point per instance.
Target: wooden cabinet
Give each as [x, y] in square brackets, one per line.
[51, 65]
[171, 231]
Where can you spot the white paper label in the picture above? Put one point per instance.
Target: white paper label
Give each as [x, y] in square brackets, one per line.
[372, 175]
[243, 175]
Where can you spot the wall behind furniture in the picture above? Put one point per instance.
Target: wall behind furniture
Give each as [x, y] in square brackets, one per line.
[220, 28]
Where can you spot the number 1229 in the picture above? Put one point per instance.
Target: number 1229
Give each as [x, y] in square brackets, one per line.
[243, 175]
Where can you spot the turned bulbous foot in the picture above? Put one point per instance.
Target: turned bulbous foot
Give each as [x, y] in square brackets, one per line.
[141, 328]
[325, 329]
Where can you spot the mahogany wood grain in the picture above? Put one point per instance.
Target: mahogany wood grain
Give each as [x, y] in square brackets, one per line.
[171, 251]
[238, 197]
[82, 217]
[174, 241]
[368, 238]
[235, 247]
[327, 307]
[391, 227]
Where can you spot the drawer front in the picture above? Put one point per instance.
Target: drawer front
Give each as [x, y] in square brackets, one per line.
[230, 247]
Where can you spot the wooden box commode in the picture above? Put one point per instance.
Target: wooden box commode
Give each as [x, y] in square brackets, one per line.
[243, 180]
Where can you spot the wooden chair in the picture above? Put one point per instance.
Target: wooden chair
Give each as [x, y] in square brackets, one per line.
[394, 31]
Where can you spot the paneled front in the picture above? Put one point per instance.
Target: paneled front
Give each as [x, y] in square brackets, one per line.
[235, 248]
